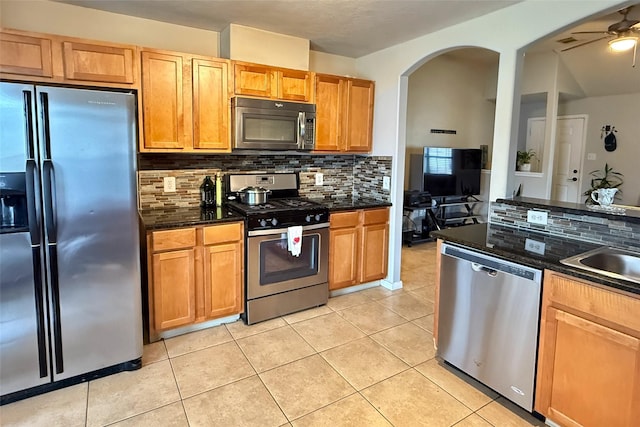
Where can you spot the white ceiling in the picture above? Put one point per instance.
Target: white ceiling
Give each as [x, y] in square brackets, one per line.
[355, 28]
[350, 28]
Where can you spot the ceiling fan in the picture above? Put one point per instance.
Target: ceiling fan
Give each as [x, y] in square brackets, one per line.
[625, 32]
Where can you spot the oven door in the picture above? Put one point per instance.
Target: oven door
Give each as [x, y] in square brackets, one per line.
[271, 269]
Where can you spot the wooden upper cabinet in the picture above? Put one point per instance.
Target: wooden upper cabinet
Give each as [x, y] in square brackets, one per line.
[185, 103]
[344, 114]
[66, 60]
[163, 101]
[252, 80]
[589, 355]
[359, 125]
[329, 110]
[211, 105]
[94, 62]
[272, 82]
[26, 55]
[294, 85]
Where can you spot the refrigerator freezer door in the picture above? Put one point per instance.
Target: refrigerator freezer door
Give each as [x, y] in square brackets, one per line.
[23, 328]
[87, 151]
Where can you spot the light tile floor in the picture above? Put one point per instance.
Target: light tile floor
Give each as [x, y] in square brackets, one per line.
[364, 359]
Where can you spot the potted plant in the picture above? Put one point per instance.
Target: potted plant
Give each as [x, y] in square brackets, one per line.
[523, 160]
[605, 178]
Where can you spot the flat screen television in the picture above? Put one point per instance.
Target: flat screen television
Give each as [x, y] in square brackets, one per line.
[451, 171]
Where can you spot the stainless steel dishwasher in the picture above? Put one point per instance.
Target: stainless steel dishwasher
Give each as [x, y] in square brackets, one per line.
[488, 320]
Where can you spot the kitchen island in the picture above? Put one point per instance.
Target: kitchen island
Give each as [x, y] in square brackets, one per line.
[588, 369]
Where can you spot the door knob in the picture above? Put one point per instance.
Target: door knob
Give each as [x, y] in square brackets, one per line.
[575, 171]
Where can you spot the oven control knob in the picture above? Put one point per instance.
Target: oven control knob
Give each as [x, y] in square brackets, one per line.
[274, 221]
[308, 218]
[263, 223]
[318, 217]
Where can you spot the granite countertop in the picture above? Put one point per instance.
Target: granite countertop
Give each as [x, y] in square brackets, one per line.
[156, 219]
[350, 203]
[509, 243]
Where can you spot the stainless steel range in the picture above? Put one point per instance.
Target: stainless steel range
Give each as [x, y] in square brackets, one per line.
[279, 281]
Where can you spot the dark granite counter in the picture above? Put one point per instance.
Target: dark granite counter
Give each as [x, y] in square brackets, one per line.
[156, 219]
[511, 244]
[629, 215]
[349, 204]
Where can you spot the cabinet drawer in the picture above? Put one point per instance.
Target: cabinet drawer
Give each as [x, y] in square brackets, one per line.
[376, 216]
[344, 219]
[572, 294]
[173, 239]
[223, 233]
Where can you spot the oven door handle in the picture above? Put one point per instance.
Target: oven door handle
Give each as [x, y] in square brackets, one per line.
[273, 231]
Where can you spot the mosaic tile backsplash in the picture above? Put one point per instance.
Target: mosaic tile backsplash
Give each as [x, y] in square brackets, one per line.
[344, 175]
[583, 227]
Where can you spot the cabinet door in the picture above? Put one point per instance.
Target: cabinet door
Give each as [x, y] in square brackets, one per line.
[329, 112]
[210, 105]
[359, 124]
[344, 261]
[30, 56]
[163, 101]
[223, 280]
[589, 374]
[375, 247]
[173, 287]
[252, 80]
[294, 85]
[98, 63]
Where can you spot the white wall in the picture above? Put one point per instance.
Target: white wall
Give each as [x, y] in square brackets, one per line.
[623, 112]
[448, 92]
[519, 26]
[74, 21]
[332, 64]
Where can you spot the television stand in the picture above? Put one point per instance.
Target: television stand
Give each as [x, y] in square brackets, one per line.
[454, 211]
[416, 230]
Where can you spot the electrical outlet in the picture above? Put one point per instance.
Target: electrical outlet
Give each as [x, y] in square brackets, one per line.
[591, 156]
[534, 246]
[386, 183]
[319, 178]
[537, 217]
[169, 184]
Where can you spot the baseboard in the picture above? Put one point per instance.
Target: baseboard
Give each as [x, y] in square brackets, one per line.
[392, 286]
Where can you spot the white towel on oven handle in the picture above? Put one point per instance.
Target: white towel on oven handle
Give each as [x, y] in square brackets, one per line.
[294, 239]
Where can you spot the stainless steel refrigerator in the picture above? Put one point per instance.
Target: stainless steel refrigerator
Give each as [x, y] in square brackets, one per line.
[70, 293]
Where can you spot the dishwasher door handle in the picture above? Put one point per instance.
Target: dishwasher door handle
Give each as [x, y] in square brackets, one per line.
[479, 267]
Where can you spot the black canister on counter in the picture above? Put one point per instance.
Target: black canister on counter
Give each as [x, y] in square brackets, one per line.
[207, 193]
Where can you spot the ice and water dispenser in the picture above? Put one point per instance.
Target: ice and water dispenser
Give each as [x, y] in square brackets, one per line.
[13, 202]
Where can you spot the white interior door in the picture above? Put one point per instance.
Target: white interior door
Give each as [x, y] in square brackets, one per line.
[568, 160]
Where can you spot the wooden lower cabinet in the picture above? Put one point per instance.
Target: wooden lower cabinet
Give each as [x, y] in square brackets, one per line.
[589, 354]
[195, 274]
[358, 247]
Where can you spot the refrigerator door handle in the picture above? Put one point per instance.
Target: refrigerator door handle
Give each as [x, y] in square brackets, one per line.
[28, 121]
[51, 234]
[34, 232]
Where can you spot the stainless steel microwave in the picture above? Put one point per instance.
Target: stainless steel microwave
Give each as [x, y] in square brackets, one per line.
[261, 124]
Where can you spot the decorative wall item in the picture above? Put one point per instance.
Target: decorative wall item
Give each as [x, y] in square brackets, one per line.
[610, 143]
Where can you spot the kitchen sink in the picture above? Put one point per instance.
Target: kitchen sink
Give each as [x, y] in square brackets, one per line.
[612, 262]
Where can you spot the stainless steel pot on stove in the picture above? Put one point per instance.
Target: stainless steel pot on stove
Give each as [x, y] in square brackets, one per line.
[254, 195]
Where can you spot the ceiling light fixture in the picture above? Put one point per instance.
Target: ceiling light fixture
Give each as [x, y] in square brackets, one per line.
[623, 43]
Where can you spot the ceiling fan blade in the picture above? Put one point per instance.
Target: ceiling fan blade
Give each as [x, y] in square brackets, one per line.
[584, 44]
[590, 32]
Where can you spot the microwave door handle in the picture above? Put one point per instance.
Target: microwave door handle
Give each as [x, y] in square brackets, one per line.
[301, 129]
